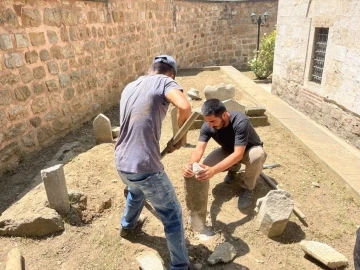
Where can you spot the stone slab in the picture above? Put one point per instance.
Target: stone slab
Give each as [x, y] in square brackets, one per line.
[150, 260]
[324, 253]
[259, 121]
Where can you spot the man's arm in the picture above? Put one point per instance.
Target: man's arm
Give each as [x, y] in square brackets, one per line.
[225, 164]
[178, 99]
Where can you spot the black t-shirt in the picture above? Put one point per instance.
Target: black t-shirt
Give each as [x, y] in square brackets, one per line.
[238, 132]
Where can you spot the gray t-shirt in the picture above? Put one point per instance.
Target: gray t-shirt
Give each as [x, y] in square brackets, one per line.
[143, 106]
[238, 132]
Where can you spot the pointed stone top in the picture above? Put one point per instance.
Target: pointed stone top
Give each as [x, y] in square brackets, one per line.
[232, 105]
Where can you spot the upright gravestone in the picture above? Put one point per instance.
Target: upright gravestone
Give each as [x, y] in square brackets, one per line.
[102, 129]
[232, 105]
[196, 196]
[56, 190]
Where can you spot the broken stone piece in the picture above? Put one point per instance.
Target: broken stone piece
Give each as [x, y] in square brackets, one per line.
[225, 252]
[115, 132]
[196, 168]
[14, 260]
[150, 260]
[194, 94]
[324, 253]
[78, 198]
[274, 212]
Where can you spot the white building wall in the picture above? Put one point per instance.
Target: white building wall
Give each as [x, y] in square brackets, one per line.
[335, 102]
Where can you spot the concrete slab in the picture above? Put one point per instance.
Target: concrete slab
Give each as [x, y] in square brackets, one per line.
[336, 154]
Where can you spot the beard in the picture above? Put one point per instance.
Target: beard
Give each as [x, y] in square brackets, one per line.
[222, 124]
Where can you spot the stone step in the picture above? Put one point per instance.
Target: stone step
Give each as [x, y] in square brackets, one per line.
[255, 111]
[259, 121]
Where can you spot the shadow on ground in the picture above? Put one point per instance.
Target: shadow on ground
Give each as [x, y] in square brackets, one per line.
[17, 183]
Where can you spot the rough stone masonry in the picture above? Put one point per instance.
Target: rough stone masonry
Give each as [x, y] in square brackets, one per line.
[64, 62]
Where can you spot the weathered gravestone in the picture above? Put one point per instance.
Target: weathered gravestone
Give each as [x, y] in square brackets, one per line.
[232, 105]
[102, 129]
[324, 253]
[221, 91]
[56, 190]
[274, 212]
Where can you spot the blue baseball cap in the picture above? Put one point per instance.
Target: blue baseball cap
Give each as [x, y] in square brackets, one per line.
[167, 59]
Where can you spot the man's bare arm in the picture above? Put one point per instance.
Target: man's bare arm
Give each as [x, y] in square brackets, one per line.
[225, 164]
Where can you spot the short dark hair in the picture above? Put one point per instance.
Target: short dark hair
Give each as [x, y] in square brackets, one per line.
[162, 68]
[213, 106]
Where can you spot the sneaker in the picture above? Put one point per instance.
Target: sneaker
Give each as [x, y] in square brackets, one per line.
[124, 232]
[230, 176]
[245, 198]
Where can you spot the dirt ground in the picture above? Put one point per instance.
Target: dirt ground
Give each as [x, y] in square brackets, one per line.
[331, 214]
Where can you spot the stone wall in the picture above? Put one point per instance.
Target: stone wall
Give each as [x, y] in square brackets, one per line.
[62, 62]
[335, 103]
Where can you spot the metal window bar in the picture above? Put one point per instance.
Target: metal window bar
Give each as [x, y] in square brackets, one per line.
[319, 54]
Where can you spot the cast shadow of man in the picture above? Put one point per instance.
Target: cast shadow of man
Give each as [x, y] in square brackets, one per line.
[223, 193]
[198, 253]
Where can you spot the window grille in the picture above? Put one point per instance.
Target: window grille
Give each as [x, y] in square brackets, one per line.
[321, 35]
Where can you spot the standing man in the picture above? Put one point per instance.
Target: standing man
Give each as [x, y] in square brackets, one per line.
[143, 106]
[239, 144]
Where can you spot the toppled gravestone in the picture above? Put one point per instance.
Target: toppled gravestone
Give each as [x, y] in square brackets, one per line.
[102, 129]
[274, 212]
[15, 260]
[194, 94]
[221, 91]
[150, 260]
[30, 217]
[225, 252]
[324, 253]
[232, 105]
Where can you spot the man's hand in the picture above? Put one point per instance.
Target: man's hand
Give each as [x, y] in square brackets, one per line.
[206, 173]
[187, 170]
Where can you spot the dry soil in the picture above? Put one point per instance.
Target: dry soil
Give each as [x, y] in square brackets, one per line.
[331, 214]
